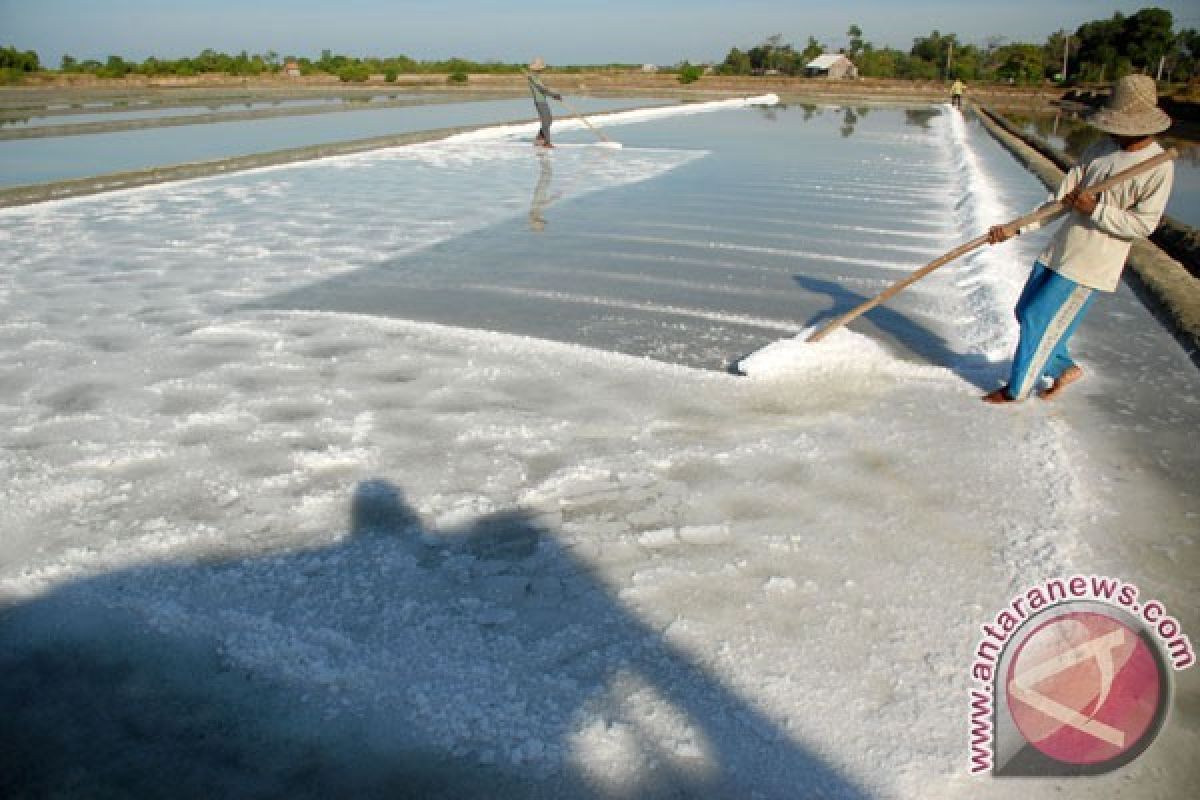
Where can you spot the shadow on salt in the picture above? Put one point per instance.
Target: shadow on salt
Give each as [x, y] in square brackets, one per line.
[400, 661]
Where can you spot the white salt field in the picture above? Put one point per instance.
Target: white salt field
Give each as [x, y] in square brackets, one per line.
[30, 161]
[423, 472]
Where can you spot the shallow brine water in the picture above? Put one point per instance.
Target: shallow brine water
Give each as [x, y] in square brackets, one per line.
[28, 161]
[760, 223]
[32, 119]
[308, 487]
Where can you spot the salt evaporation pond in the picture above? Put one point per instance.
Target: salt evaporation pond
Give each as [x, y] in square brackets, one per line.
[420, 472]
[28, 161]
[121, 112]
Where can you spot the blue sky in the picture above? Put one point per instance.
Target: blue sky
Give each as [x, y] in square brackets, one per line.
[635, 31]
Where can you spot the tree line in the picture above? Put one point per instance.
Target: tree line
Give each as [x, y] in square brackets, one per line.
[348, 68]
[14, 63]
[1098, 51]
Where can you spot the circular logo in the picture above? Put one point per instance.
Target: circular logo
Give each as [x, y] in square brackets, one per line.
[1084, 688]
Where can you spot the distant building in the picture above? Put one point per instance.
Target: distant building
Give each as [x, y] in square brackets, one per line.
[831, 65]
[649, 68]
[291, 69]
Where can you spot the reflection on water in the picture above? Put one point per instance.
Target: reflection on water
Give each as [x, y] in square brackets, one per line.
[850, 116]
[1067, 132]
[920, 117]
[541, 194]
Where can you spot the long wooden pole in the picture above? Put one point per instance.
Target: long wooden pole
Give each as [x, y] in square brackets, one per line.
[1046, 212]
[585, 121]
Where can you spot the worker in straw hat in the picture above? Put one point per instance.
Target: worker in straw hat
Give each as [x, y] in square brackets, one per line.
[1088, 252]
[540, 93]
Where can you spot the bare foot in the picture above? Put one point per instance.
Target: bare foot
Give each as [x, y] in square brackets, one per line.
[998, 396]
[1069, 376]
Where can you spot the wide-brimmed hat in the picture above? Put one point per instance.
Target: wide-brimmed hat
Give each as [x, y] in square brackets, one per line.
[1132, 110]
[537, 65]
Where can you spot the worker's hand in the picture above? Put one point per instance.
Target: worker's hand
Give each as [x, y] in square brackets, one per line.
[1081, 201]
[997, 234]
[557, 97]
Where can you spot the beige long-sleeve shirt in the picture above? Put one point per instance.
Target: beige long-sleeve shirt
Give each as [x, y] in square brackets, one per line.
[1092, 250]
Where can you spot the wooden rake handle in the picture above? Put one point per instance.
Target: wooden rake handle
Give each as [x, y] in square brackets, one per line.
[1046, 212]
[585, 121]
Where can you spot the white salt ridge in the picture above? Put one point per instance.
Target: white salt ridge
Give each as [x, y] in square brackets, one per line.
[839, 354]
[996, 272]
[615, 118]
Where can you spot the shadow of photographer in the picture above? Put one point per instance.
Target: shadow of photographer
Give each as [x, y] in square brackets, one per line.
[400, 661]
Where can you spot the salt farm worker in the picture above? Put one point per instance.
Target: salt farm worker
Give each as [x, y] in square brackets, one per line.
[540, 93]
[956, 92]
[1087, 253]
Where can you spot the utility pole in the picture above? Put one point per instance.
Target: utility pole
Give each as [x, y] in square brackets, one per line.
[1066, 53]
[1161, 60]
[949, 58]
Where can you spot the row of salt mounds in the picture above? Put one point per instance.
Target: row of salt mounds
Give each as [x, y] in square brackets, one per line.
[616, 118]
[989, 289]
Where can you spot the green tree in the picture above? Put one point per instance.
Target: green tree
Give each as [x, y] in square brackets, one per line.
[115, 67]
[1020, 63]
[855, 44]
[811, 50]
[1186, 58]
[1148, 38]
[970, 64]
[736, 63]
[934, 47]
[689, 73]
[1112, 47]
[27, 61]
[879, 63]
[1053, 50]
[353, 73]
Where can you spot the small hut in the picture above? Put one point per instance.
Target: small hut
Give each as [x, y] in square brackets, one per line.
[291, 69]
[834, 66]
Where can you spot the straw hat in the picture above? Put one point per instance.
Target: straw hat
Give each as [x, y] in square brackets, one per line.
[1133, 109]
[537, 65]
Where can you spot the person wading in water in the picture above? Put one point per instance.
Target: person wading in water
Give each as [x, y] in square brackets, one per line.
[540, 93]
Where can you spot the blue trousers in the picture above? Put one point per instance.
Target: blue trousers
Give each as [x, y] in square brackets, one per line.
[1049, 310]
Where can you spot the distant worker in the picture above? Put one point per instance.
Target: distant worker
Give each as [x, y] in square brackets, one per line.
[540, 93]
[1088, 252]
[956, 93]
